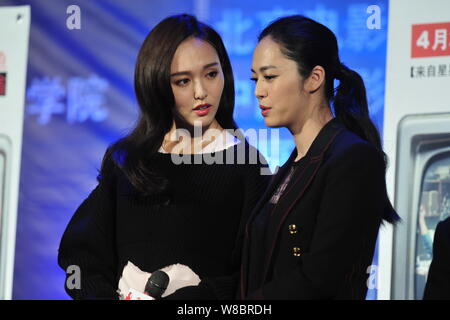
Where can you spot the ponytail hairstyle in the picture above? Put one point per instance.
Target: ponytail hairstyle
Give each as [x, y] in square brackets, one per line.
[156, 101]
[310, 44]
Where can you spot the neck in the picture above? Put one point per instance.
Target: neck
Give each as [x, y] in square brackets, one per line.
[308, 130]
[192, 141]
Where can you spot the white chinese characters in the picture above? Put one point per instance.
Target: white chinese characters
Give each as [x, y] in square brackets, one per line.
[82, 99]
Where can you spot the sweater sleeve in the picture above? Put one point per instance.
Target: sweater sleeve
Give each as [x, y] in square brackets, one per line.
[256, 181]
[255, 177]
[88, 244]
[347, 224]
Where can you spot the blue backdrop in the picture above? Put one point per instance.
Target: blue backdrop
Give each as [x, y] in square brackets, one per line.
[80, 98]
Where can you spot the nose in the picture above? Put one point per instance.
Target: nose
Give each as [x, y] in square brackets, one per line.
[199, 91]
[260, 91]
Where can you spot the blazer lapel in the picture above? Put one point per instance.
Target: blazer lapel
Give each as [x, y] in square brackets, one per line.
[299, 183]
[273, 184]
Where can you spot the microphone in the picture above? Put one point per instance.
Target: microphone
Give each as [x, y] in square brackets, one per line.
[154, 288]
[156, 284]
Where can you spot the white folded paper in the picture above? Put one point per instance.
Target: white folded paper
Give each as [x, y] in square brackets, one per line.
[133, 279]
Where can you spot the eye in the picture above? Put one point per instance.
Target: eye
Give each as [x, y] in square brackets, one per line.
[182, 82]
[270, 77]
[253, 79]
[212, 74]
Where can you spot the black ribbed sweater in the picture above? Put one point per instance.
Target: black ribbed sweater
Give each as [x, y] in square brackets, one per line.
[195, 223]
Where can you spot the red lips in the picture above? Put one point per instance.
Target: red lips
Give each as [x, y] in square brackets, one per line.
[202, 106]
[202, 109]
[264, 110]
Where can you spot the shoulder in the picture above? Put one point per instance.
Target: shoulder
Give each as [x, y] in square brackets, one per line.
[443, 228]
[248, 161]
[441, 242]
[351, 156]
[110, 167]
[245, 153]
[349, 147]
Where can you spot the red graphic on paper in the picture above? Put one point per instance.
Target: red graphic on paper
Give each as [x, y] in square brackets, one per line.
[430, 40]
[2, 83]
[129, 296]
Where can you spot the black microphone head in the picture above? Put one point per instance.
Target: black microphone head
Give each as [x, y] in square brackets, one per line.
[157, 284]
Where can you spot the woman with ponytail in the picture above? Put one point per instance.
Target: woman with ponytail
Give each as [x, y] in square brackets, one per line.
[313, 233]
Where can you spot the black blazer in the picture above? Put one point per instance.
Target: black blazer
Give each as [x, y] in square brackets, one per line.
[327, 222]
[438, 282]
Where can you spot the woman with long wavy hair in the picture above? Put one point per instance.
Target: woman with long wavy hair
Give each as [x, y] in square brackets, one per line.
[149, 209]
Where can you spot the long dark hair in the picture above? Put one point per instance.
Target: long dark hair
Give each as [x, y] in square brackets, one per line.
[310, 44]
[156, 101]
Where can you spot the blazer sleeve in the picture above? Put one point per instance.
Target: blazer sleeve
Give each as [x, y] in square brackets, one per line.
[88, 243]
[438, 282]
[346, 228]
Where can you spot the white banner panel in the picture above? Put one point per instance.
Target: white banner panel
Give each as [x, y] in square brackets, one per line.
[416, 140]
[14, 33]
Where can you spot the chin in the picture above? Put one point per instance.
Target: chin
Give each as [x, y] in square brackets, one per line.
[272, 123]
[205, 121]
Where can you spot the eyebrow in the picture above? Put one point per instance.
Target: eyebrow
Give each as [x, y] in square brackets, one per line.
[206, 66]
[264, 68]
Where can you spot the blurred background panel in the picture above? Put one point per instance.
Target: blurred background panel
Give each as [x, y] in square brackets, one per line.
[80, 99]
